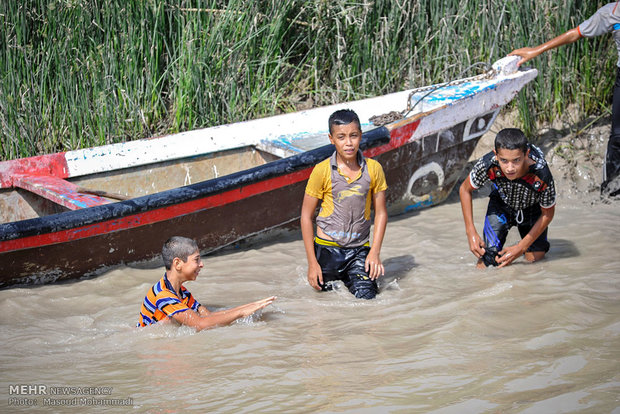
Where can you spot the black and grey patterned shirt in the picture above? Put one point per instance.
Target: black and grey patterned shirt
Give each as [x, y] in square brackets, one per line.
[536, 186]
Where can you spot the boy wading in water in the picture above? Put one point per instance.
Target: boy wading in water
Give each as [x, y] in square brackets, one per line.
[168, 298]
[346, 184]
[523, 195]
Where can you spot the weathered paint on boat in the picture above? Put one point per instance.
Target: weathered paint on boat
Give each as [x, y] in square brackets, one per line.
[422, 156]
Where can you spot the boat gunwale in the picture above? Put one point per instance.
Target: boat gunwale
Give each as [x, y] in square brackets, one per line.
[91, 215]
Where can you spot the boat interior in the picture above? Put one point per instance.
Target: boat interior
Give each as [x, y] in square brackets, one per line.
[35, 196]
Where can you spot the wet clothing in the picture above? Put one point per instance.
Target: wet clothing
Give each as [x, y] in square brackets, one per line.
[535, 187]
[347, 265]
[346, 204]
[345, 216]
[514, 203]
[607, 20]
[161, 301]
[500, 218]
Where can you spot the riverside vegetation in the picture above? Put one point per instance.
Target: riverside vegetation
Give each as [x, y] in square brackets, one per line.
[80, 73]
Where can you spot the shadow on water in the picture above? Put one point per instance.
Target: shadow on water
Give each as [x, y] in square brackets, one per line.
[561, 249]
[396, 268]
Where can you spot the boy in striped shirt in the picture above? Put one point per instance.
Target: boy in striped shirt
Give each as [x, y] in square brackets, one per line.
[168, 298]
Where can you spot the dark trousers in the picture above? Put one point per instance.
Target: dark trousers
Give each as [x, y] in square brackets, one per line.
[498, 221]
[347, 265]
[611, 171]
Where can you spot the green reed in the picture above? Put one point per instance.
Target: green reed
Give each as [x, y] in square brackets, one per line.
[79, 73]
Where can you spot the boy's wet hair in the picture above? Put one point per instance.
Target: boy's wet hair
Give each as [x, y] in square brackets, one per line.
[511, 139]
[343, 117]
[177, 246]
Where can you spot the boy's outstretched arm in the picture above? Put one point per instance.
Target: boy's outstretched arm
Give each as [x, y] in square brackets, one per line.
[529, 53]
[510, 253]
[315, 276]
[373, 264]
[476, 244]
[201, 320]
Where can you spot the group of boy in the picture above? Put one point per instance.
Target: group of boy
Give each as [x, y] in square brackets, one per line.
[345, 186]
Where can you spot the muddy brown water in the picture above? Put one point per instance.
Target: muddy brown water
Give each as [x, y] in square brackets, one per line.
[441, 337]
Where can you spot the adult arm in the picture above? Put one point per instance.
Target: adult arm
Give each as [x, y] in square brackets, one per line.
[373, 264]
[206, 320]
[508, 254]
[315, 276]
[476, 244]
[529, 53]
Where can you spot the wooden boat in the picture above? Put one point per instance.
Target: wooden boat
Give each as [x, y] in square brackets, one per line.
[76, 214]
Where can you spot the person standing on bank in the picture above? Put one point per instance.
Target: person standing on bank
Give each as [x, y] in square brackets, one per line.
[605, 20]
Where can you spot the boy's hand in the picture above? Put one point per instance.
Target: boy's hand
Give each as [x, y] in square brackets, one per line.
[476, 244]
[250, 308]
[373, 265]
[508, 255]
[315, 275]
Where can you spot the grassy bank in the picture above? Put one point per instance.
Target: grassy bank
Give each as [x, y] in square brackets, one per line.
[78, 73]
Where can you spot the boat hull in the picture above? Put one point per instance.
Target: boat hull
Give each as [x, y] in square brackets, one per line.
[422, 155]
[419, 174]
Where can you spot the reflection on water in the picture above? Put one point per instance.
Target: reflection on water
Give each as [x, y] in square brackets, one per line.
[442, 336]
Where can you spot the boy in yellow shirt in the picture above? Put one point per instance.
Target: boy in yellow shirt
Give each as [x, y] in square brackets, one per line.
[346, 184]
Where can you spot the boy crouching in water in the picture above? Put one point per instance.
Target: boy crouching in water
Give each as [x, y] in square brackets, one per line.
[168, 298]
[347, 184]
[523, 196]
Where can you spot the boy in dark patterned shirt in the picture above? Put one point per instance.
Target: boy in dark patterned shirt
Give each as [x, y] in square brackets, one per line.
[523, 195]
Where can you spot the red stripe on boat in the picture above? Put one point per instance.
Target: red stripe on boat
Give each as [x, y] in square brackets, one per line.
[157, 215]
[398, 137]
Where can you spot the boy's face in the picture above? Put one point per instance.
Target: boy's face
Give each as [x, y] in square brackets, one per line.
[190, 268]
[513, 163]
[346, 139]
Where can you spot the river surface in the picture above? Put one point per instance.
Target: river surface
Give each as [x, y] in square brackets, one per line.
[441, 337]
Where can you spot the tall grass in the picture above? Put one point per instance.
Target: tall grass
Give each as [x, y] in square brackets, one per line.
[78, 73]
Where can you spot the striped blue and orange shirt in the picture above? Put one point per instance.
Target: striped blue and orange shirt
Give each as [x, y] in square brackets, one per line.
[161, 301]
